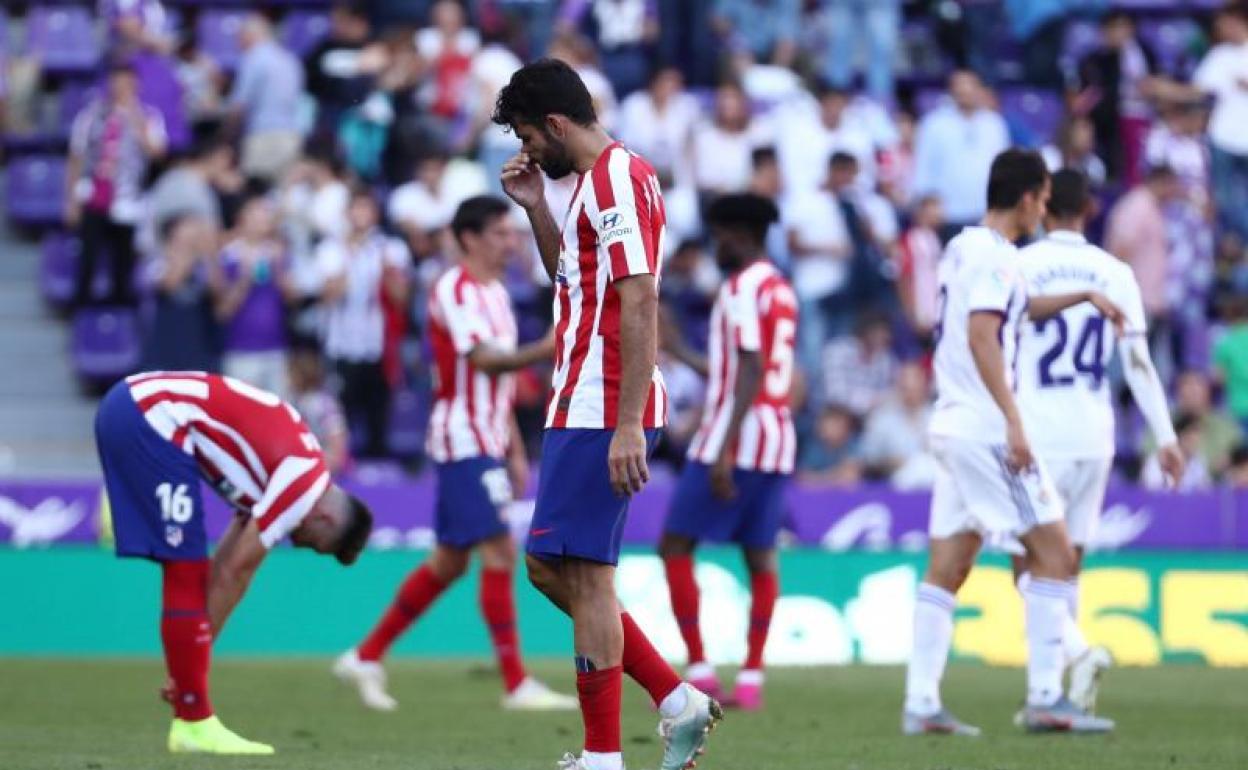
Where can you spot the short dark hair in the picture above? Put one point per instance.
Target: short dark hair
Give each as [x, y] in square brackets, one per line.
[542, 88]
[1185, 421]
[355, 533]
[842, 159]
[476, 213]
[1015, 172]
[1115, 15]
[1069, 195]
[749, 211]
[761, 155]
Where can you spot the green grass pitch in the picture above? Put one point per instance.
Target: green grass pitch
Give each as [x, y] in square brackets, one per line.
[104, 715]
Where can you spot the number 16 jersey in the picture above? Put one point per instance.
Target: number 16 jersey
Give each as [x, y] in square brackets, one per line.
[755, 311]
[1063, 394]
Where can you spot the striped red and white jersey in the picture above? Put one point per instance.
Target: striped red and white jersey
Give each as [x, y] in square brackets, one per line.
[614, 229]
[471, 410]
[251, 446]
[755, 310]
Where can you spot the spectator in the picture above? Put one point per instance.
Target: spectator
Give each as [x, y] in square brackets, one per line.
[896, 162]
[314, 199]
[1040, 27]
[252, 286]
[954, 149]
[578, 53]
[624, 32]
[492, 68]
[422, 208]
[534, 21]
[139, 34]
[340, 72]
[265, 99]
[850, 22]
[202, 84]
[1075, 147]
[807, 139]
[657, 124]
[918, 267]
[1223, 74]
[690, 282]
[894, 442]
[362, 270]
[1196, 475]
[1219, 433]
[189, 187]
[832, 456]
[859, 369]
[1237, 473]
[1230, 365]
[1115, 83]
[768, 31]
[1136, 233]
[182, 333]
[448, 46]
[112, 141]
[765, 181]
[820, 245]
[720, 148]
[319, 407]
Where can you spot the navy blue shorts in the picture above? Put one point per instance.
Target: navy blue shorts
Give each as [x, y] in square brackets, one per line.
[752, 518]
[153, 487]
[577, 512]
[471, 496]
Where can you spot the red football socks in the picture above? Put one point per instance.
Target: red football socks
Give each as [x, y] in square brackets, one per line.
[499, 610]
[187, 636]
[415, 595]
[764, 588]
[599, 692]
[644, 664]
[684, 592]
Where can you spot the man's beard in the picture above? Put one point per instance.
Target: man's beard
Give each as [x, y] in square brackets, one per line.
[557, 166]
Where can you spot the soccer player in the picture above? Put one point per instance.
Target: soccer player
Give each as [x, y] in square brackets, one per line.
[607, 403]
[158, 434]
[476, 447]
[1062, 365]
[988, 481]
[732, 487]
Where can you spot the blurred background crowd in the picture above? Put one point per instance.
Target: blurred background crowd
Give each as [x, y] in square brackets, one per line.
[265, 189]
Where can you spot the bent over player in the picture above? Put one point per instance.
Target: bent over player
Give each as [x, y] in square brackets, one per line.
[732, 487]
[472, 432]
[1065, 398]
[158, 434]
[988, 482]
[607, 403]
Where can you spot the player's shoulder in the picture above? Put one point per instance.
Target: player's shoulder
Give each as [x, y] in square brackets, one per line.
[978, 245]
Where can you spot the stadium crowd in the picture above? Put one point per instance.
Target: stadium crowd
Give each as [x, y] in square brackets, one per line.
[275, 200]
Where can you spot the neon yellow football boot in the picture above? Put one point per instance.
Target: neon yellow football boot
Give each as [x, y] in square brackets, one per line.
[209, 736]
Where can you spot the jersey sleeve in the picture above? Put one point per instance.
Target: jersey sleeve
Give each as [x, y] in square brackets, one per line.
[461, 312]
[623, 222]
[293, 488]
[990, 285]
[743, 308]
[1126, 295]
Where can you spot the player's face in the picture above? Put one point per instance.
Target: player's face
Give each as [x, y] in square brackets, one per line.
[317, 531]
[492, 244]
[732, 247]
[1033, 207]
[546, 149]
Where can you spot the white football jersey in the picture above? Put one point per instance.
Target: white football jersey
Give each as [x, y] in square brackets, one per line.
[1062, 390]
[979, 272]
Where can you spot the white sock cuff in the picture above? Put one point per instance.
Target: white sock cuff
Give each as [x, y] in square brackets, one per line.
[937, 596]
[602, 760]
[750, 676]
[1056, 589]
[1024, 580]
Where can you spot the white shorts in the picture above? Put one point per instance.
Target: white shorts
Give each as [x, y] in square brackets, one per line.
[975, 492]
[1081, 484]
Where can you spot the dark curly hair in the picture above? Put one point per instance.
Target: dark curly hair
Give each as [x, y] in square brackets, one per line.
[544, 87]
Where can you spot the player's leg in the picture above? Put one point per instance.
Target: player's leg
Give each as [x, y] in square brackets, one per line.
[1085, 497]
[598, 642]
[763, 567]
[676, 550]
[498, 608]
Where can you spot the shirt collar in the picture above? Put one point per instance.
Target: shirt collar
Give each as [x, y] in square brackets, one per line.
[1067, 236]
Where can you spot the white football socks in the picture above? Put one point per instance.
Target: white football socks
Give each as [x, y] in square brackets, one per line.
[674, 703]
[1074, 644]
[594, 760]
[1045, 604]
[933, 635]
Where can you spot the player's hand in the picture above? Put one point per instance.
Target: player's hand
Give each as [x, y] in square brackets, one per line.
[1173, 463]
[626, 460]
[722, 486]
[1018, 457]
[522, 181]
[1112, 312]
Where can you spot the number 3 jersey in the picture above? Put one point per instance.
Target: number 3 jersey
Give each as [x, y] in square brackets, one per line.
[979, 273]
[1063, 394]
[251, 446]
[755, 311]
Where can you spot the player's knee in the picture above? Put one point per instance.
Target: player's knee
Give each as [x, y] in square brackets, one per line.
[947, 575]
[449, 565]
[674, 545]
[541, 575]
[760, 561]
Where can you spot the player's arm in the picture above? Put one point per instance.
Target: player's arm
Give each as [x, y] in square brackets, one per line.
[517, 461]
[678, 347]
[639, 308]
[493, 360]
[983, 332]
[744, 391]
[1042, 308]
[233, 565]
[522, 181]
[1150, 397]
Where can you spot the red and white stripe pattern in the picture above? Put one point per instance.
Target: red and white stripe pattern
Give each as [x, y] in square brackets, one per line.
[614, 229]
[755, 310]
[472, 410]
[251, 446]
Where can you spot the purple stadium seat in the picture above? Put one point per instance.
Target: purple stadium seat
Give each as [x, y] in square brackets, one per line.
[1172, 40]
[303, 30]
[409, 413]
[35, 189]
[1038, 110]
[105, 343]
[217, 33]
[63, 38]
[58, 265]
